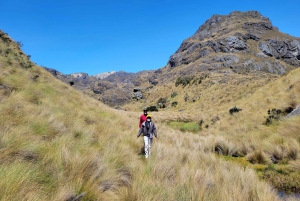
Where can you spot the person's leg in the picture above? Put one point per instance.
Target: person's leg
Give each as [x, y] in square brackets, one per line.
[150, 144]
[146, 142]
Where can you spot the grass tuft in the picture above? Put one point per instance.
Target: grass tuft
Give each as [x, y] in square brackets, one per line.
[258, 157]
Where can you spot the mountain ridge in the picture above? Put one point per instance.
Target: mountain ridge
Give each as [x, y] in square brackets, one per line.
[238, 43]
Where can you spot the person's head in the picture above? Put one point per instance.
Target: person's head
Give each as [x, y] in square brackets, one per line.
[145, 111]
[148, 117]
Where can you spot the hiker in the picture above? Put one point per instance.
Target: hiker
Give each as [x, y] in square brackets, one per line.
[143, 117]
[148, 129]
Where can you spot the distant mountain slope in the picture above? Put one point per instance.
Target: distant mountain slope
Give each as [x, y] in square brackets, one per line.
[242, 48]
[241, 41]
[235, 48]
[114, 89]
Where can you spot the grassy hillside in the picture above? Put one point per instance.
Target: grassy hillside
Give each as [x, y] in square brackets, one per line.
[54, 142]
[58, 144]
[251, 137]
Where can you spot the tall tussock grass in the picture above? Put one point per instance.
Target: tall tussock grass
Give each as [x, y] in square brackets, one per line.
[190, 173]
[58, 144]
[244, 134]
[55, 143]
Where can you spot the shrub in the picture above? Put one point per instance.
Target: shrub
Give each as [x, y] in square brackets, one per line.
[184, 80]
[273, 115]
[152, 108]
[162, 102]
[174, 104]
[174, 94]
[20, 44]
[234, 110]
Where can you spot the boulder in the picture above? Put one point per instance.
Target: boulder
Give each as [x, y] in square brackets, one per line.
[250, 36]
[265, 49]
[137, 95]
[175, 60]
[234, 42]
[295, 112]
[193, 48]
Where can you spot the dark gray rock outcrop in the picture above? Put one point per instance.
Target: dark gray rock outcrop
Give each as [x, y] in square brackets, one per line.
[137, 95]
[288, 50]
[239, 33]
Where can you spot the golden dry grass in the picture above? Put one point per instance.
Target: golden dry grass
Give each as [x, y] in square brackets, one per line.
[243, 133]
[57, 143]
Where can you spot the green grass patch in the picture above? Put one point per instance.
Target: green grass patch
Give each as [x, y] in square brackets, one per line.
[185, 126]
[39, 129]
[279, 176]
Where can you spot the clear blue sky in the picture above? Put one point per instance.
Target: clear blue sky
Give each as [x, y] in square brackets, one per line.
[97, 36]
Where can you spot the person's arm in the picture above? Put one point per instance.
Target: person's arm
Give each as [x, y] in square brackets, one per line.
[154, 131]
[141, 121]
[140, 132]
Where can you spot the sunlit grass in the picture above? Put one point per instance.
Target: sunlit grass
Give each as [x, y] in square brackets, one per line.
[57, 143]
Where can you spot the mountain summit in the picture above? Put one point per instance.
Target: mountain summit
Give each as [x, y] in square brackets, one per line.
[242, 41]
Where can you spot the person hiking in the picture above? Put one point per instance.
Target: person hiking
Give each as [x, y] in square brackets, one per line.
[143, 117]
[148, 129]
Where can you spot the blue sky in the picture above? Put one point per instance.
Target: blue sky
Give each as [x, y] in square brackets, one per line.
[97, 36]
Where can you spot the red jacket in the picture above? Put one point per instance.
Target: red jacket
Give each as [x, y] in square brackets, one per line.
[143, 118]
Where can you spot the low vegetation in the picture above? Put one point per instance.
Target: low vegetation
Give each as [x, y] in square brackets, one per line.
[152, 108]
[184, 126]
[184, 81]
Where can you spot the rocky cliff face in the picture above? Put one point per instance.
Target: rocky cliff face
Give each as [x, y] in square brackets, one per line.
[242, 41]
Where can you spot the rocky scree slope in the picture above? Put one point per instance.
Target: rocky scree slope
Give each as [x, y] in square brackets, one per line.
[242, 41]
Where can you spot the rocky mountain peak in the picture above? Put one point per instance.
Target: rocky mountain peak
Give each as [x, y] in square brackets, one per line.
[222, 24]
[247, 36]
